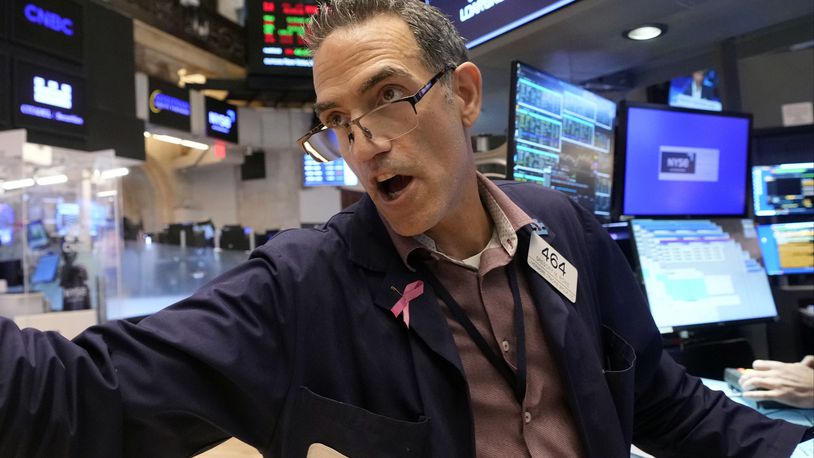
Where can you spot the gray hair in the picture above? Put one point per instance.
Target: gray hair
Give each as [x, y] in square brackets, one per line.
[440, 42]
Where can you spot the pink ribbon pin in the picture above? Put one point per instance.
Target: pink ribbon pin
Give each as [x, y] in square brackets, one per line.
[411, 291]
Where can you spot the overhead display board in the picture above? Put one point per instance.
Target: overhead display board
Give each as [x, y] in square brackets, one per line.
[275, 32]
[220, 120]
[53, 26]
[168, 105]
[49, 100]
[479, 21]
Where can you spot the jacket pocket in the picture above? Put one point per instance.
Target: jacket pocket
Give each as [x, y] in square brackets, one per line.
[619, 368]
[351, 430]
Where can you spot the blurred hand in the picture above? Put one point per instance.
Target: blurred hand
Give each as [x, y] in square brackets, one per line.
[789, 383]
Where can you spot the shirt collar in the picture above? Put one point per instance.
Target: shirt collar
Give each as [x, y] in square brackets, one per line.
[508, 218]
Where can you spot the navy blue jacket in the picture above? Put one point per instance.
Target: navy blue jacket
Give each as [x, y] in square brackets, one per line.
[298, 345]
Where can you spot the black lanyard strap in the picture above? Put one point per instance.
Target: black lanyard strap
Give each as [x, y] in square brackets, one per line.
[515, 380]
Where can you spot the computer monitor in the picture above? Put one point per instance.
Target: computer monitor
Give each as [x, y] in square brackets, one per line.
[681, 162]
[788, 248]
[697, 90]
[561, 136]
[783, 189]
[37, 235]
[46, 269]
[702, 272]
[334, 173]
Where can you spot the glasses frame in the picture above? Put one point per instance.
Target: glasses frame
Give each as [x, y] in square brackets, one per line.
[348, 126]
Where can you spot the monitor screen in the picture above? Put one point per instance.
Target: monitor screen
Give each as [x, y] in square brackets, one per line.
[275, 31]
[783, 189]
[681, 162]
[46, 269]
[699, 90]
[37, 235]
[334, 173]
[47, 99]
[788, 248]
[702, 272]
[221, 120]
[561, 136]
[479, 21]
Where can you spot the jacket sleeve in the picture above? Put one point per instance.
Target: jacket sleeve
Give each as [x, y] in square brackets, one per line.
[209, 367]
[674, 414]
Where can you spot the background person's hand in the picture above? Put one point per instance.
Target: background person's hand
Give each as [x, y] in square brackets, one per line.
[789, 383]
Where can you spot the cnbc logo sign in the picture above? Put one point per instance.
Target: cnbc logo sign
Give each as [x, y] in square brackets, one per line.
[50, 20]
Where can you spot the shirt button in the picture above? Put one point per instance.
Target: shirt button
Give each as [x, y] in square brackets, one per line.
[505, 345]
[527, 416]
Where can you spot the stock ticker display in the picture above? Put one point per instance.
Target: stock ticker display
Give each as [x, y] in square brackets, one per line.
[562, 138]
[783, 189]
[275, 30]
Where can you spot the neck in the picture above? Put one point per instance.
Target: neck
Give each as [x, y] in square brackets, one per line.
[465, 233]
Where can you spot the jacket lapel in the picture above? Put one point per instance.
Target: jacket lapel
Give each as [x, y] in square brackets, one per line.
[370, 247]
[427, 321]
[571, 345]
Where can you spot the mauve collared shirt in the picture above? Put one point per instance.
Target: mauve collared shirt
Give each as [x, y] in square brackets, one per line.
[543, 425]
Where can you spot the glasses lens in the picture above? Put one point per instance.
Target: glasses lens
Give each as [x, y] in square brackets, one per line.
[326, 145]
[390, 121]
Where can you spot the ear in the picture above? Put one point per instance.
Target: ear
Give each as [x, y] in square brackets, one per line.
[468, 92]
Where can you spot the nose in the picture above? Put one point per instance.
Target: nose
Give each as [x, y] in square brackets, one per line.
[365, 145]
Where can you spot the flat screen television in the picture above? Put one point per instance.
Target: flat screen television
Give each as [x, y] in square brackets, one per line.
[561, 136]
[783, 189]
[788, 248]
[479, 21]
[681, 162]
[702, 272]
[334, 173]
[697, 90]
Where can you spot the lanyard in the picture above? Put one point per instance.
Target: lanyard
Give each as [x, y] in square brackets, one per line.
[515, 380]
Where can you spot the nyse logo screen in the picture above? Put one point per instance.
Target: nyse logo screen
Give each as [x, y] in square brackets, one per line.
[221, 120]
[53, 26]
[677, 162]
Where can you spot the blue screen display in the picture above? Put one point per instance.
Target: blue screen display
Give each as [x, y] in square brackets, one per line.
[701, 272]
[788, 248]
[685, 163]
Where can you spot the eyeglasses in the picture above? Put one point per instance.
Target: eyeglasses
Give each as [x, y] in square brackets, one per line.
[385, 122]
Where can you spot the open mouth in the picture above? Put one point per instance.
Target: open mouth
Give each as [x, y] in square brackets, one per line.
[392, 187]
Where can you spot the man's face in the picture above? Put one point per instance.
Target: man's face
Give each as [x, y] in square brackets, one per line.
[414, 180]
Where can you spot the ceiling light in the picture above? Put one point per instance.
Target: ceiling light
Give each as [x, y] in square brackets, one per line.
[177, 141]
[53, 179]
[646, 32]
[17, 184]
[106, 193]
[113, 173]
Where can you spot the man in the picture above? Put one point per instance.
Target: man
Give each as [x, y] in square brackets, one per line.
[696, 88]
[410, 325]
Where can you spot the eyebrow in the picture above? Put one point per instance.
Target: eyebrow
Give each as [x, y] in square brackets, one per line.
[368, 84]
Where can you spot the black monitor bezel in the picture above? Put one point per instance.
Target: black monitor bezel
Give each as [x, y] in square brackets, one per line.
[620, 161]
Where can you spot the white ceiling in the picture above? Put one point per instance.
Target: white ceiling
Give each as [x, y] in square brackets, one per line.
[584, 41]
